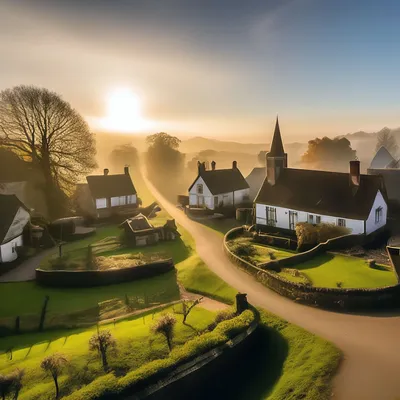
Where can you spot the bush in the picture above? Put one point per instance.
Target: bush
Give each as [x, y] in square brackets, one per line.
[272, 255]
[372, 263]
[339, 284]
[330, 231]
[244, 250]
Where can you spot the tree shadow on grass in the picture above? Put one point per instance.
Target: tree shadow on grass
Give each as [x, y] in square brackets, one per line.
[254, 375]
[315, 262]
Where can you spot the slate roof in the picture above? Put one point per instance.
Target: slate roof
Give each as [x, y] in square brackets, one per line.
[277, 145]
[322, 192]
[223, 180]
[383, 159]
[255, 179]
[110, 185]
[9, 206]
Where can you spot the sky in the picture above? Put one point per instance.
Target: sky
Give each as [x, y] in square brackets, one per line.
[221, 69]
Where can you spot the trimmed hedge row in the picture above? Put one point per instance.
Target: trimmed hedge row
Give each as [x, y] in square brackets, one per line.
[208, 345]
[60, 278]
[331, 298]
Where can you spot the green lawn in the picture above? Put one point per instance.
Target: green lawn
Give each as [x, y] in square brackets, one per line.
[327, 269]
[27, 298]
[135, 347]
[283, 362]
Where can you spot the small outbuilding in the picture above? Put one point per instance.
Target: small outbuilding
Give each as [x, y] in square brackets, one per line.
[139, 231]
[14, 216]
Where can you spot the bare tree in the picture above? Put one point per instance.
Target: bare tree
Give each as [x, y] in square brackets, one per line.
[53, 365]
[188, 306]
[41, 127]
[165, 325]
[101, 342]
[386, 139]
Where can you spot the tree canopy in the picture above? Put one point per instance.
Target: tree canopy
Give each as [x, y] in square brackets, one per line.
[386, 139]
[329, 154]
[41, 127]
[125, 154]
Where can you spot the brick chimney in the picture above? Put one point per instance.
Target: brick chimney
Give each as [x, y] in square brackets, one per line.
[106, 171]
[234, 165]
[354, 174]
[201, 167]
[126, 170]
[213, 164]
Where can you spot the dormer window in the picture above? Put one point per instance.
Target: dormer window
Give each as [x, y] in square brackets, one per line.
[200, 188]
[378, 215]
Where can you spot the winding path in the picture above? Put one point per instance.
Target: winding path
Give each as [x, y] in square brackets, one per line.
[370, 343]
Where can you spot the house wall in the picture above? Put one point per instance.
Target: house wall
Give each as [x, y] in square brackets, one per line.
[282, 216]
[241, 196]
[378, 202]
[6, 250]
[16, 228]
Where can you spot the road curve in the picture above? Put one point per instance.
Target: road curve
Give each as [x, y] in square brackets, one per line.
[370, 343]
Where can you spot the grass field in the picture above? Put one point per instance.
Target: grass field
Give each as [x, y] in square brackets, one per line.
[327, 269]
[284, 362]
[135, 347]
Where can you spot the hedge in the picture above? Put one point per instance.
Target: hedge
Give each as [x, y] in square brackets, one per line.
[331, 298]
[61, 278]
[109, 386]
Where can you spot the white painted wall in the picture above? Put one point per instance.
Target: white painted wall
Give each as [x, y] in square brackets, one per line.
[378, 202]
[20, 220]
[8, 250]
[282, 216]
[208, 197]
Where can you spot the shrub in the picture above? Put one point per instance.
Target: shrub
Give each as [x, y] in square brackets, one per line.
[243, 250]
[272, 255]
[102, 341]
[372, 263]
[165, 325]
[339, 284]
[330, 231]
[53, 365]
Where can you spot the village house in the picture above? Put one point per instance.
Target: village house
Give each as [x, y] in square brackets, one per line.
[106, 195]
[140, 232]
[14, 216]
[218, 187]
[288, 196]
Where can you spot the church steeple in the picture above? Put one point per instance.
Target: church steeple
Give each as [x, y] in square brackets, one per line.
[277, 145]
[276, 158]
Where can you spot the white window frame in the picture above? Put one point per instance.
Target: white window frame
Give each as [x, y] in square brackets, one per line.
[341, 222]
[101, 205]
[131, 199]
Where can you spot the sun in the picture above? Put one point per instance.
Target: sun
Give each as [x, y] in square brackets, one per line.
[124, 112]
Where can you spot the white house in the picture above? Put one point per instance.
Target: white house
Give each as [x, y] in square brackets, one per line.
[13, 218]
[289, 196]
[112, 194]
[218, 187]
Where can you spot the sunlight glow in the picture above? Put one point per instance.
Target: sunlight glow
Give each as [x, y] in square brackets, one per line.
[124, 112]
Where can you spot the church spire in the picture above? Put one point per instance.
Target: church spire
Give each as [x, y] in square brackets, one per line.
[277, 145]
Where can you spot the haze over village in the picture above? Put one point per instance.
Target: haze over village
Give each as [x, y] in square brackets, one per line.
[199, 200]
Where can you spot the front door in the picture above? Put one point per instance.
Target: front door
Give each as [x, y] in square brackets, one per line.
[215, 201]
[292, 220]
[200, 201]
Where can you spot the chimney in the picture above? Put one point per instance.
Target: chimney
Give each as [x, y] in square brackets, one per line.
[213, 164]
[201, 167]
[355, 173]
[106, 171]
[234, 165]
[126, 170]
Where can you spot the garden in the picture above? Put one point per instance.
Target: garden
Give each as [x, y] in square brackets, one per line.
[330, 270]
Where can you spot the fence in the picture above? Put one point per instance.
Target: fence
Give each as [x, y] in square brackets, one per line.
[332, 298]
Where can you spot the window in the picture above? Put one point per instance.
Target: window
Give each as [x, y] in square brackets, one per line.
[13, 249]
[200, 188]
[101, 203]
[271, 216]
[341, 222]
[317, 219]
[310, 218]
[378, 215]
[131, 199]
